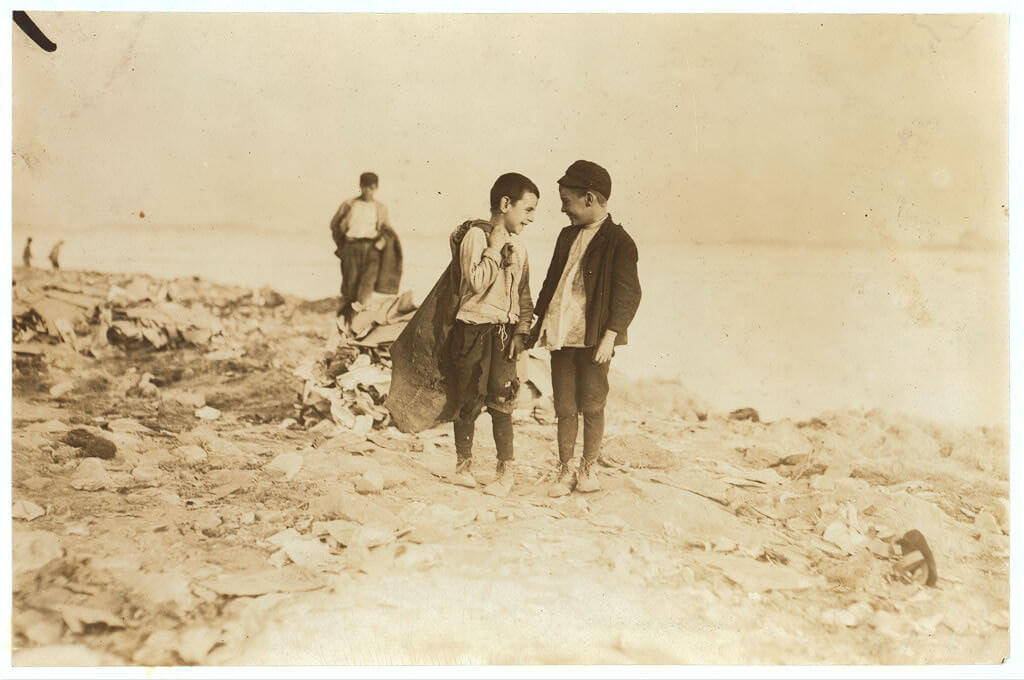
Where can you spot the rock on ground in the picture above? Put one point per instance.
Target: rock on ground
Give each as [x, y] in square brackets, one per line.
[91, 476]
[33, 549]
[26, 510]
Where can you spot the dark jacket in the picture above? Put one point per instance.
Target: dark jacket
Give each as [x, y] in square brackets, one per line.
[609, 279]
[389, 274]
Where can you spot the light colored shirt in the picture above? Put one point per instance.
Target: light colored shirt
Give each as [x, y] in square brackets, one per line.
[489, 292]
[362, 223]
[565, 324]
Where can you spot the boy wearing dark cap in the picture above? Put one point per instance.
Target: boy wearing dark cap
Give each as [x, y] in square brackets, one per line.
[589, 297]
[492, 324]
[359, 229]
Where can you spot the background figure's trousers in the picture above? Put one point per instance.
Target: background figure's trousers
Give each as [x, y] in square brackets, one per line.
[580, 386]
[360, 263]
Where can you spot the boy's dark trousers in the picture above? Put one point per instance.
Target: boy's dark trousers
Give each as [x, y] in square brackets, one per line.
[580, 386]
[360, 263]
[483, 376]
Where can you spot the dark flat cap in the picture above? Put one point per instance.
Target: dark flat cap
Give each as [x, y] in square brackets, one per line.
[588, 175]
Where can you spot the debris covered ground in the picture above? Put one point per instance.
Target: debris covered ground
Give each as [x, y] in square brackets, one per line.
[203, 474]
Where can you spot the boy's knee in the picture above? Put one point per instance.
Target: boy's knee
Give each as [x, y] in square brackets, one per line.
[593, 399]
[504, 396]
[470, 410]
[510, 390]
[565, 409]
[499, 414]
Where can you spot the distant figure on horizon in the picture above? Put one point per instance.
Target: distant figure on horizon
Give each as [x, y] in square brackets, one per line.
[55, 254]
[368, 247]
[26, 255]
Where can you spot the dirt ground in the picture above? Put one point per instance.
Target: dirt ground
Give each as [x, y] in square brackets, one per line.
[714, 540]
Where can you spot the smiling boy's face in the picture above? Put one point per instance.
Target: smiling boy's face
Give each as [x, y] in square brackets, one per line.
[574, 204]
[520, 213]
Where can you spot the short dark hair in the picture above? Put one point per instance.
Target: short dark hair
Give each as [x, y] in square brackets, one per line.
[513, 185]
[368, 179]
[581, 192]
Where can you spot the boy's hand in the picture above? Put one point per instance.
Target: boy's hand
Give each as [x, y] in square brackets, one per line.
[509, 256]
[516, 346]
[531, 340]
[604, 351]
[379, 243]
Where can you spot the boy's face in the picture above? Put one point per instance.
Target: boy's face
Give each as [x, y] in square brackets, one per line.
[574, 204]
[367, 191]
[520, 213]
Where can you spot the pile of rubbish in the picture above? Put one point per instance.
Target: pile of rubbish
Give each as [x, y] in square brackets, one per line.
[536, 401]
[348, 383]
[100, 318]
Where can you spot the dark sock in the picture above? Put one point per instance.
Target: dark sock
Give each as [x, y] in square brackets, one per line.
[568, 426]
[593, 433]
[464, 428]
[503, 438]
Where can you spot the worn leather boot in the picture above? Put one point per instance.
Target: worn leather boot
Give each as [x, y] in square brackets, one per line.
[565, 481]
[586, 480]
[464, 473]
[502, 484]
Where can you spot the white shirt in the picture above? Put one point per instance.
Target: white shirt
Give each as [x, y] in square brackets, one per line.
[565, 324]
[362, 222]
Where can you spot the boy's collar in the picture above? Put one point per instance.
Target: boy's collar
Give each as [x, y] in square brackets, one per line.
[598, 223]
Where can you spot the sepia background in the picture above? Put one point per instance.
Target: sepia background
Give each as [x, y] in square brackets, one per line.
[820, 202]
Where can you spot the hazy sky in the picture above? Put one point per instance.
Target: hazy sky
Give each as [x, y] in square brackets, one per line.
[806, 127]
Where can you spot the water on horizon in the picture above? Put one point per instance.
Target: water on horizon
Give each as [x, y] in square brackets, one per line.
[791, 331]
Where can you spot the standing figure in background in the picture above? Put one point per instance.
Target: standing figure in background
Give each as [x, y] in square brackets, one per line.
[362, 235]
[26, 255]
[55, 254]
